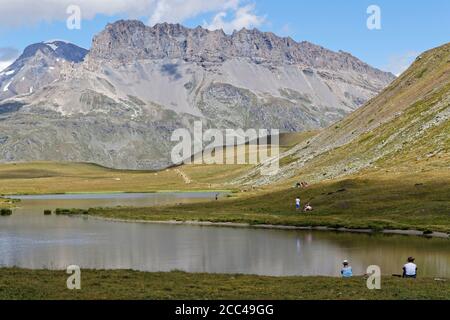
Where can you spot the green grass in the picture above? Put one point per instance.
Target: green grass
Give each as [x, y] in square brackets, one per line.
[371, 201]
[124, 284]
[4, 203]
[60, 178]
[8, 203]
[64, 177]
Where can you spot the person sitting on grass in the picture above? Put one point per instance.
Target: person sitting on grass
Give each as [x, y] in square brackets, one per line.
[308, 207]
[410, 269]
[346, 270]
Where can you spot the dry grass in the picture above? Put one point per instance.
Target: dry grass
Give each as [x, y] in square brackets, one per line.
[124, 284]
[49, 178]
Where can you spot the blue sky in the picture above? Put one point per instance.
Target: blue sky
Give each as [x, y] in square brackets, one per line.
[407, 27]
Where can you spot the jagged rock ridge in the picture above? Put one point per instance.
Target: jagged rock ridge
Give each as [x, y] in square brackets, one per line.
[120, 104]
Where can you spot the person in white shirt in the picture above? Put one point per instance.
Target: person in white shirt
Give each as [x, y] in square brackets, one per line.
[410, 269]
[297, 203]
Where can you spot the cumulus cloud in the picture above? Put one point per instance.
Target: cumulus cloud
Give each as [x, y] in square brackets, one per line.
[25, 12]
[242, 17]
[20, 12]
[399, 63]
[7, 57]
[180, 10]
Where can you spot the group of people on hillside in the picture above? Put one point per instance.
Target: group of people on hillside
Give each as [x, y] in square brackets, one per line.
[409, 269]
[308, 207]
[302, 185]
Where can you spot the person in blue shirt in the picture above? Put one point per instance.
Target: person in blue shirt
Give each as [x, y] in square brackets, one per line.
[346, 270]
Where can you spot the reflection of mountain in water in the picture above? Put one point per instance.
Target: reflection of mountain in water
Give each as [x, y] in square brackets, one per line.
[32, 240]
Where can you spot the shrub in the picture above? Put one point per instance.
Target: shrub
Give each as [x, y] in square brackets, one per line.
[5, 212]
[70, 212]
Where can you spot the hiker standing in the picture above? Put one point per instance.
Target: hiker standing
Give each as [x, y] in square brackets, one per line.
[297, 203]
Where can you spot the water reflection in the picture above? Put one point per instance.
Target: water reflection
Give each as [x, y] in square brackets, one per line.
[31, 240]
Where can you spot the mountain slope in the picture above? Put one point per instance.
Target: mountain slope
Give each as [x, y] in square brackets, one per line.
[406, 127]
[39, 65]
[119, 107]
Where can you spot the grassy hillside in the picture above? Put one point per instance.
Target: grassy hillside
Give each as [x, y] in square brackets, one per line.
[405, 128]
[122, 284]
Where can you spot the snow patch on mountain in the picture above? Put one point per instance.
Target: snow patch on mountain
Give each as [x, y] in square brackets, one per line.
[6, 88]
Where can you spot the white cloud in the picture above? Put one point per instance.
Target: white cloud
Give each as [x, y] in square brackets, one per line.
[7, 57]
[5, 64]
[180, 10]
[25, 12]
[399, 63]
[243, 17]
[20, 12]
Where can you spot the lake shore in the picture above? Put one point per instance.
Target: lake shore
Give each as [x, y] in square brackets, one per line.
[279, 227]
[23, 284]
[368, 203]
[401, 202]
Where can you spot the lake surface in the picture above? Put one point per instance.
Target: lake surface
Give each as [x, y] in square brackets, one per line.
[28, 239]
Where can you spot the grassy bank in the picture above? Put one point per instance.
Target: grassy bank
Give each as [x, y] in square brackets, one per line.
[51, 178]
[43, 284]
[4, 203]
[418, 202]
[8, 203]
[385, 199]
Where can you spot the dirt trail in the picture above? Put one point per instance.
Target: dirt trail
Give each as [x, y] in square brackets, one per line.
[185, 177]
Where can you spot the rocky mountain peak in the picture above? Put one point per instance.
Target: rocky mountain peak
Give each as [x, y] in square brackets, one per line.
[127, 40]
[39, 65]
[55, 49]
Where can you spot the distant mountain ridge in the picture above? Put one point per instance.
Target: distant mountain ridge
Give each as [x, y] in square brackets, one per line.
[40, 64]
[133, 39]
[118, 104]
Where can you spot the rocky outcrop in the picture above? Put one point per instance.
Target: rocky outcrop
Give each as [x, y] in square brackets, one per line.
[140, 83]
[39, 65]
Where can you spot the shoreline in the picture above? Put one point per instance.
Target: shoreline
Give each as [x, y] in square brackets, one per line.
[410, 232]
[5, 196]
